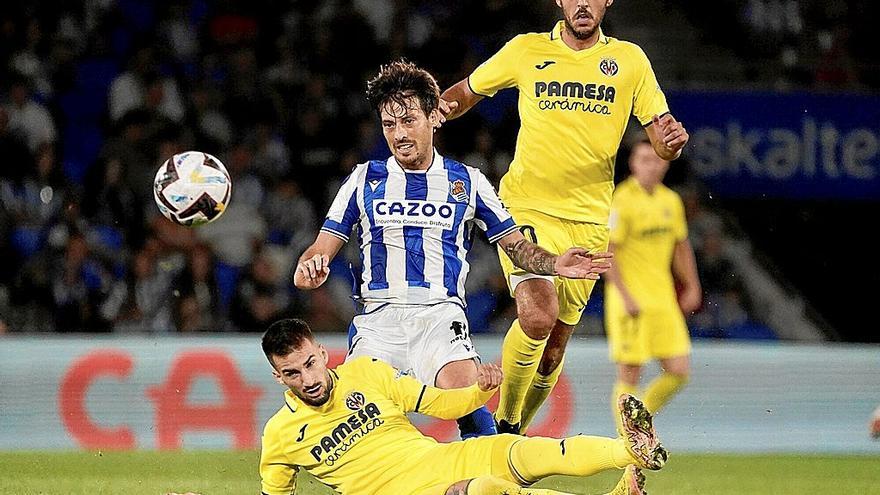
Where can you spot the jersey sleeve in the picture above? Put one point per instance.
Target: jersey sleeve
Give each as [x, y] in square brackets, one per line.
[277, 474]
[412, 395]
[490, 214]
[344, 212]
[648, 98]
[499, 71]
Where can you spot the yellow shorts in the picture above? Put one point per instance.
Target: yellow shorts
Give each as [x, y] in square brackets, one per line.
[435, 470]
[557, 235]
[653, 334]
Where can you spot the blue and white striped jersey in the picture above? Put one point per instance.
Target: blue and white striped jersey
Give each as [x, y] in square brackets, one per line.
[415, 228]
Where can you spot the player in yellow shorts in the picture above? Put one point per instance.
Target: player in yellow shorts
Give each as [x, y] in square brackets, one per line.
[348, 428]
[644, 316]
[577, 89]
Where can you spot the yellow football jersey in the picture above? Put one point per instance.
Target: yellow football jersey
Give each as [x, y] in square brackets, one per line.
[574, 107]
[644, 230]
[360, 441]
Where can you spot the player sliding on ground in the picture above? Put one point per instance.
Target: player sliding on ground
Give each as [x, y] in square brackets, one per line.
[348, 428]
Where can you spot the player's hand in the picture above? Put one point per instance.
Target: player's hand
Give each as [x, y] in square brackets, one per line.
[689, 301]
[580, 263]
[672, 133]
[312, 272]
[489, 376]
[445, 107]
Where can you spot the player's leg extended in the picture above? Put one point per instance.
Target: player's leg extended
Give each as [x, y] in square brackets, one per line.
[458, 374]
[670, 343]
[442, 353]
[572, 298]
[492, 485]
[673, 377]
[627, 383]
[536, 304]
[547, 374]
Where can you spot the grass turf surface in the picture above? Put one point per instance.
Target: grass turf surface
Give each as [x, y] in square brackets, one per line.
[208, 472]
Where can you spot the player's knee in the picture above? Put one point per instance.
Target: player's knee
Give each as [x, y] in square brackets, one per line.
[537, 322]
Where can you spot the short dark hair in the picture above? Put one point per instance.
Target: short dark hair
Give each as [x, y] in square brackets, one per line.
[285, 336]
[399, 80]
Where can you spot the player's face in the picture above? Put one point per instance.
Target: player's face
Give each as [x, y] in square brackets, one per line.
[409, 133]
[583, 17]
[304, 371]
[648, 168]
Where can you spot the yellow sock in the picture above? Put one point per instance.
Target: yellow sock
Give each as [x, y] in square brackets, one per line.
[491, 485]
[520, 355]
[619, 389]
[535, 458]
[537, 393]
[662, 389]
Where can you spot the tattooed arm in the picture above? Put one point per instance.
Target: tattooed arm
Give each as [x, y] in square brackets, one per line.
[574, 263]
[528, 255]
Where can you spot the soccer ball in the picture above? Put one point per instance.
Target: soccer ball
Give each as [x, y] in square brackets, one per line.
[192, 188]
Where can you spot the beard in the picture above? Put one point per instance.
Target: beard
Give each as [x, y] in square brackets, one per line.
[317, 401]
[584, 33]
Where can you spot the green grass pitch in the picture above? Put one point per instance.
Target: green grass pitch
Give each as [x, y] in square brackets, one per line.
[209, 472]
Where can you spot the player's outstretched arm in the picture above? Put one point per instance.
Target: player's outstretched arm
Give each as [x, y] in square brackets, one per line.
[684, 269]
[574, 263]
[457, 100]
[313, 267]
[668, 136]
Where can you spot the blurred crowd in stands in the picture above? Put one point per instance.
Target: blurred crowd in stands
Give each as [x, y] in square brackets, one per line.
[96, 94]
[792, 44]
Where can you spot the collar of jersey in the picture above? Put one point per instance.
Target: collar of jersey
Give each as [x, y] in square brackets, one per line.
[556, 37]
[437, 161]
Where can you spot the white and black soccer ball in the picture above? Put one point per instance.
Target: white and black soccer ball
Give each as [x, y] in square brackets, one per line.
[192, 188]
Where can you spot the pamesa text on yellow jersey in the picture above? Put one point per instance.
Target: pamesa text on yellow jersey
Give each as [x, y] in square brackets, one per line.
[574, 107]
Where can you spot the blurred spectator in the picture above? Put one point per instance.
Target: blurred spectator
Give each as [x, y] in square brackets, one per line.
[140, 302]
[196, 292]
[16, 156]
[78, 283]
[28, 117]
[724, 305]
[485, 156]
[141, 86]
[291, 216]
[261, 296]
[132, 150]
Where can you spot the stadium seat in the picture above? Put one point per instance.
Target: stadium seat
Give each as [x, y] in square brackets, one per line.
[27, 240]
[227, 279]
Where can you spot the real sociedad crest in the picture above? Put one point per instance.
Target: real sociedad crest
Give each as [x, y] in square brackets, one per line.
[608, 66]
[355, 401]
[458, 191]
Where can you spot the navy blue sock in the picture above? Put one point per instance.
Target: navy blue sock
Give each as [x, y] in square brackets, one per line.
[477, 424]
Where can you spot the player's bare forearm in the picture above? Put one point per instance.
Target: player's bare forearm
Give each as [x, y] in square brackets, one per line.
[313, 266]
[684, 270]
[530, 257]
[458, 100]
